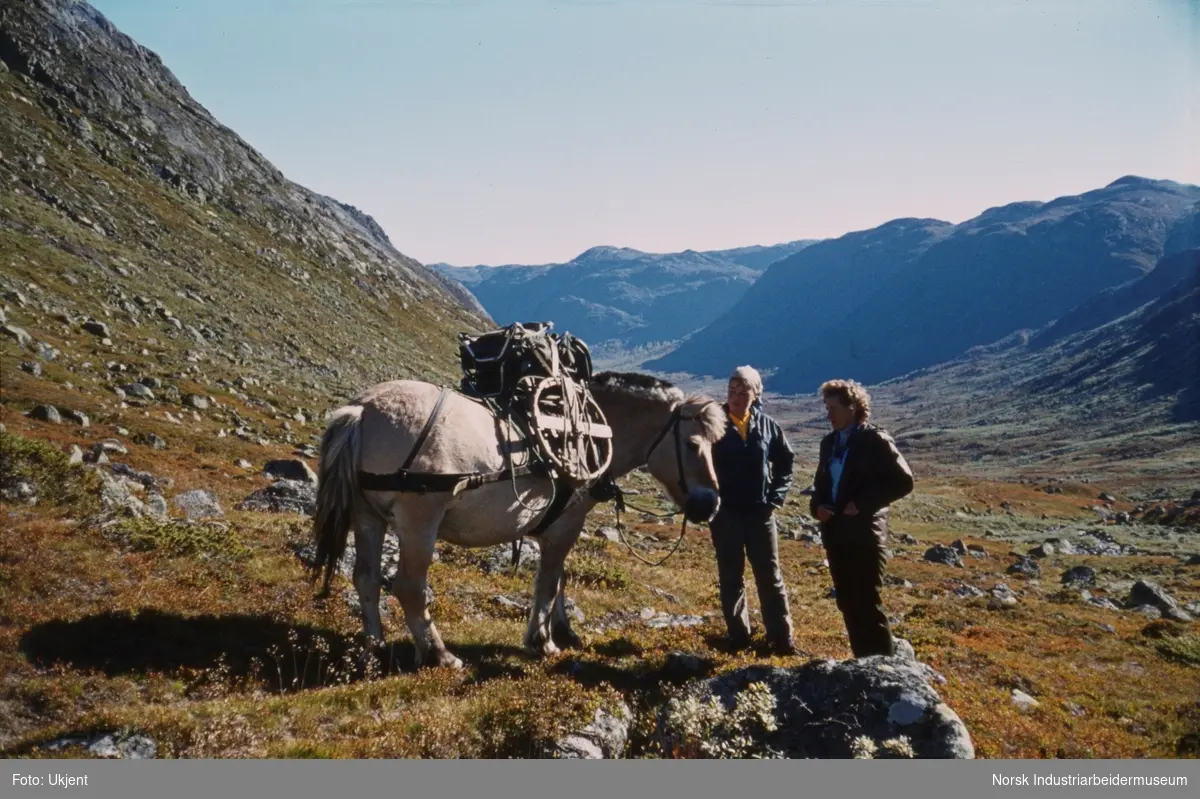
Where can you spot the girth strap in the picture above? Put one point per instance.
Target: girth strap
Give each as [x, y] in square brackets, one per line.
[434, 482]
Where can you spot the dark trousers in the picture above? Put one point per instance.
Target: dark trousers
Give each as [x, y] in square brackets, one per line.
[856, 564]
[738, 535]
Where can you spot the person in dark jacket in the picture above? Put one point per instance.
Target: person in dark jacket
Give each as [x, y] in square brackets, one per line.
[860, 473]
[753, 464]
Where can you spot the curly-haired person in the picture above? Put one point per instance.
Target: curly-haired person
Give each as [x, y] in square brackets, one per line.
[860, 473]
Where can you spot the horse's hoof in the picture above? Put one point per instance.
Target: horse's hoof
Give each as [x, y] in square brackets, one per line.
[444, 660]
[567, 638]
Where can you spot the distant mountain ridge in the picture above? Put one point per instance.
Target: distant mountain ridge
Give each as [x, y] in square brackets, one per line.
[911, 293]
[619, 295]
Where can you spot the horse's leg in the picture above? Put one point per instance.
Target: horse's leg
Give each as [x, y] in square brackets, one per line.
[417, 528]
[369, 531]
[560, 630]
[547, 589]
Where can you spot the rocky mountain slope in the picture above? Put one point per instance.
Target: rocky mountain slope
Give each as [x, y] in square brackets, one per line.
[1119, 397]
[619, 297]
[138, 235]
[876, 304]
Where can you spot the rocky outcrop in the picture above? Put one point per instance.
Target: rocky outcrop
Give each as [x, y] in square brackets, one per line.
[870, 707]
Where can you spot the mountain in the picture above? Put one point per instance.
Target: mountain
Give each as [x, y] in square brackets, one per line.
[129, 205]
[620, 296]
[1126, 388]
[875, 304]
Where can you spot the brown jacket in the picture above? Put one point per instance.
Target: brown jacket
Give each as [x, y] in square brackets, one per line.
[874, 476]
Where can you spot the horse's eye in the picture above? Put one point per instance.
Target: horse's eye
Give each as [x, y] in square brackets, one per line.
[694, 446]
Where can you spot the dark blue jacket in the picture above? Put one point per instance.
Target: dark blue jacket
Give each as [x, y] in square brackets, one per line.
[758, 471]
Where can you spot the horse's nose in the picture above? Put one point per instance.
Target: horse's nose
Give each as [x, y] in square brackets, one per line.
[701, 505]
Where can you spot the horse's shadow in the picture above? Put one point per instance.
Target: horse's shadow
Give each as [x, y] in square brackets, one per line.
[253, 650]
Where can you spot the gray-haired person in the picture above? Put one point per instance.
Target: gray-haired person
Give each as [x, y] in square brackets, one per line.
[753, 462]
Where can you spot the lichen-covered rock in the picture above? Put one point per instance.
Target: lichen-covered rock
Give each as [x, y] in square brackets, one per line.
[880, 706]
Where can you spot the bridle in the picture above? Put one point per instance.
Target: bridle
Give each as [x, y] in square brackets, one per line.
[609, 490]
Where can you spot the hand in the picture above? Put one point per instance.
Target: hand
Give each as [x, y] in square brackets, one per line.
[824, 513]
[851, 509]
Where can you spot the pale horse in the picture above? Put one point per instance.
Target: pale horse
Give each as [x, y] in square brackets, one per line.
[654, 425]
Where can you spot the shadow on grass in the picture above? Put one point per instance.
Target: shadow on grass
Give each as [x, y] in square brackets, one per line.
[251, 649]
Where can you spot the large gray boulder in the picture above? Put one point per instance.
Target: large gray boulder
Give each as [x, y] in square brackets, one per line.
[880, 706]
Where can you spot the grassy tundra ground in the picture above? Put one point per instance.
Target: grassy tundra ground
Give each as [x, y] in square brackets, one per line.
[207, 637]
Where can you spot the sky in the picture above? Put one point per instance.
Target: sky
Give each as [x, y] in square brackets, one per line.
[527, 131]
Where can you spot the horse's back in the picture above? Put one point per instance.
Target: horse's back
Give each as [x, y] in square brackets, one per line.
[463, 438]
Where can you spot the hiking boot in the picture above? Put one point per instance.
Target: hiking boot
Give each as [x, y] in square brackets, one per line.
[783, 648]
[737, 643]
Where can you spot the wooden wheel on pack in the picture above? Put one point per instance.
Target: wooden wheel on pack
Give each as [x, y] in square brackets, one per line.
[571, 429]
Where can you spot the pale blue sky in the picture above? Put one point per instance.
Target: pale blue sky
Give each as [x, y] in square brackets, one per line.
[526, 131]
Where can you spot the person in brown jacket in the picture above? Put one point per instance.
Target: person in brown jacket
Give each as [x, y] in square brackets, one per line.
[859, 475]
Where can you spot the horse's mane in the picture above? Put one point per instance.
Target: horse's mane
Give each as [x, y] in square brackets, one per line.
[642, 386]
[639, 385]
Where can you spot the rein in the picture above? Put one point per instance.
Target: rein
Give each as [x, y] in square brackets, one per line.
[608, 490]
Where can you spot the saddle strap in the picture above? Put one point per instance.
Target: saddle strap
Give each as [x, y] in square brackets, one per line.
[420, 442]
[435, 482]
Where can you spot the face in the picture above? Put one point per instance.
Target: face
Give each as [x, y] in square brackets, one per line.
[840, 416]
[740, 397]
[700, 502]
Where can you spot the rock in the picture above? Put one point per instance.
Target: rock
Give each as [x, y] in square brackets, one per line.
[116, 495]
[498, 559]
[290, 470]
[78, 417]
[46, 413]
[1144, 592]
[604, 738]
[1079, 575]
[1023, 700]
[1025, 567]
[1194, 560]
[967, 591]
[32, 367]
[283, 496]
[976, 551]
[519, 606]
[76, 456]
[198, 504]
[904, 649]
[958, 546]
[196, 401]
[943, 554]
[22, 338]
[156, 505]
[96, 328]
[1149, 611]
[908, 539]
[1104, 602]
[139, 390]
[661, 619]
[242, 463]
[111, 745]
[110, 446]
[609, 534]
[1043, 551]
[824, 705]
[1107, 497]
[151, 440]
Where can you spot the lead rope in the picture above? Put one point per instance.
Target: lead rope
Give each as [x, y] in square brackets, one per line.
[620, 505]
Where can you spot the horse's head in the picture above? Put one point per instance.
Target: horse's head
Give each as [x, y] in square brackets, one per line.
[681, 457]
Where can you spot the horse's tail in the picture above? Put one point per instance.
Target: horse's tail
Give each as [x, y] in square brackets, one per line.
[337, 489]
